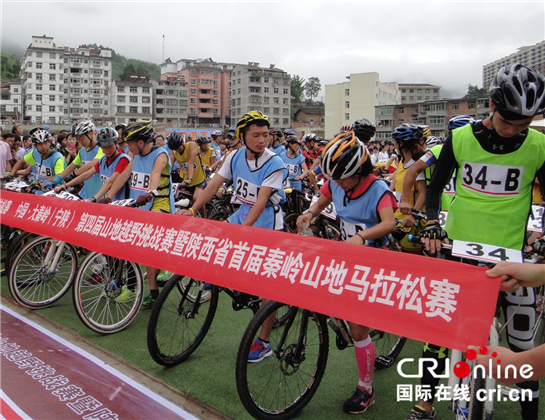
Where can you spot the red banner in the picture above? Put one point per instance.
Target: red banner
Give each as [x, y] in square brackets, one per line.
[442, 302]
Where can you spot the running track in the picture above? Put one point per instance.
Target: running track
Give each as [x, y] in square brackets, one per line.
[44, 377]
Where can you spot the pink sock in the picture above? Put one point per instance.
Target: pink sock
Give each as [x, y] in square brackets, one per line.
[365, 358]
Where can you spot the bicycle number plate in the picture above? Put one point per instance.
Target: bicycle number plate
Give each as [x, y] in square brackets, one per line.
[484, 252]
[535, 221]
[67, 196]
[15, 186]
[443, 218]
[329, 211]
[129, 202]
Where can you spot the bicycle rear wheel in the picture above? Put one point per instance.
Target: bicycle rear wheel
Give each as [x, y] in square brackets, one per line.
[282, 385]
[180, 320]
[387, 347]
[35, 279]
[97, 293]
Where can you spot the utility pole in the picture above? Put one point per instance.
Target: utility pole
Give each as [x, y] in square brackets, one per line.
[163, 48]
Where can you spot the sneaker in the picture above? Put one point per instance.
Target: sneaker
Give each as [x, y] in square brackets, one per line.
[207, 286]
[126, 295]
[359, 402]
[259, 351]
[162, 277]
[418, 413]
[148, 302]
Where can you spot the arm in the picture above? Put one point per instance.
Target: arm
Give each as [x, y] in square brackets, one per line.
[86, 167]
[81, 178]
[158, 167]
[119, 181]
[304, 173]
[409, 180]
[386, 226]
[68, 170]
[315, 210]
[193, 152]
[16, 167]
[515, 275]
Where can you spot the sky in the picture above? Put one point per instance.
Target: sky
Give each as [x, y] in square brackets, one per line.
[437, 42]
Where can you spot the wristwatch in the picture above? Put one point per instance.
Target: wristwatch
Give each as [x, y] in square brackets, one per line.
[155, 193]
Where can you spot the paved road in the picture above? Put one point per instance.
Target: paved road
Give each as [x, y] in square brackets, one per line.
[46, 376]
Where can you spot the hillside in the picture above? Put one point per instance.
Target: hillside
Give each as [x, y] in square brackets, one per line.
[123, 67]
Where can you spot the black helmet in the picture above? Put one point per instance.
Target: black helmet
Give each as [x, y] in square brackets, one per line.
[141, 130]
[276, 133]
[107, 136]
[202, 140]
[175, 140]
[364, 129]
[519, 90]
[293, 139]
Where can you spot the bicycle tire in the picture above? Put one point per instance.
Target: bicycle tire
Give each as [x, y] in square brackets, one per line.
[219, 213]
[96, 291]
[30, 282]
[280, 386]
[290, 223]
[177, 324]
[15, 247]
[387, 347]
[194, 288]
[477, 408]
[539, 329]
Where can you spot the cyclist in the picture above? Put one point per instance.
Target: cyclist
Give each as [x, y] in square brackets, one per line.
[295, 163]
[365, 206]
[428, 161]
[150, 184]
[45, 162]
[206, 153]
[496, 161]
[87, 157]
[113, 163]
[186, 154]
[217, 140]
[275, 142]
[258, 175]
[364, 130]
[410, 143]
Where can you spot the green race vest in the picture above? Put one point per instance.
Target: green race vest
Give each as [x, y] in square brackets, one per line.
[493, 192]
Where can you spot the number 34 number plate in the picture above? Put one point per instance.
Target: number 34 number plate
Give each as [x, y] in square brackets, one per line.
[484, 252]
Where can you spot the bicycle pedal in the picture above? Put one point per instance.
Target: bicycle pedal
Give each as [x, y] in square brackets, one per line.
[384, 362]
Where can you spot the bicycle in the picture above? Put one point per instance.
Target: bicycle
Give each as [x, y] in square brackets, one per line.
[182, 315]
[43, 270]
[108, 291]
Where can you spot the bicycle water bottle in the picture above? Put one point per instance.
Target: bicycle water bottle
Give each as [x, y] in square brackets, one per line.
[306, 231]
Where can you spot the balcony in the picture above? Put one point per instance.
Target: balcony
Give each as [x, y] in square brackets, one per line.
[206, 115]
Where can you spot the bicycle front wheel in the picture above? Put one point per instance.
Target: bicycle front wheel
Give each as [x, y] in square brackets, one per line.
[280, 386]
[42, 272]
[107, 293]
[180, 319]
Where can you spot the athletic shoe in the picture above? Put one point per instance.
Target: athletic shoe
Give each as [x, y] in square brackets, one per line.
[148, 302]
[259, 351]
[162, 277]
[418, 413]
[126, 295]
[359, 402]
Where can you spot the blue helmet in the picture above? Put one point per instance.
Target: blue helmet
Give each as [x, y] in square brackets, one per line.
[289, 132]
[460, 121]
[408, 132]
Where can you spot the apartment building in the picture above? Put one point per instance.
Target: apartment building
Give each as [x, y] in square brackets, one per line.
[434, 114]
[208, 88]
[132, 100]
[11, 95]
[266, 89]
[61, 84]
[418, 92]
[357, 98]
[170, 101]
[531, 56]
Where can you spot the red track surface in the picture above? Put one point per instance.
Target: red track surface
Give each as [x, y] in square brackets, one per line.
[45, 377]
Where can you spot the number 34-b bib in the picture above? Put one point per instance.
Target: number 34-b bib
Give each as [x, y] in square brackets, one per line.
[497, 180]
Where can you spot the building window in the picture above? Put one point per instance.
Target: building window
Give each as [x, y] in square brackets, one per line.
[193, 91]
[39, 108]
[276, 100]
[146, 99]
[133, 109]
[51, 87]
[51, 66]
[121, 88]
[346, 104]
[51, 109]
[265, 90]
[266, 100]
[38, 54]
[276, 121]
[193, 72]
[52, 55]
[192, 100]
[265, 80]
[347, 92]
[285, 121]
[285, 91]
[471, 105]
[285, 101]
[38, 65]
[275, 90]
[455, 105]
[38, 86]
[39, 76]
[401, 110]
[133, 89]
[133, 99]
[121, 109]
[347, 116]
[52, 98]
[145, 110]
[193, 81]
[120, 99]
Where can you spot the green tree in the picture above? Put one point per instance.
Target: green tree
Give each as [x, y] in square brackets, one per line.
[141, 71]
[297, 88]
[10, 67]
[473, 92]
[128, 71]
[313, 87]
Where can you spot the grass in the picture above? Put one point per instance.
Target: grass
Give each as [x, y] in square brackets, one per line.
[209, 374]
